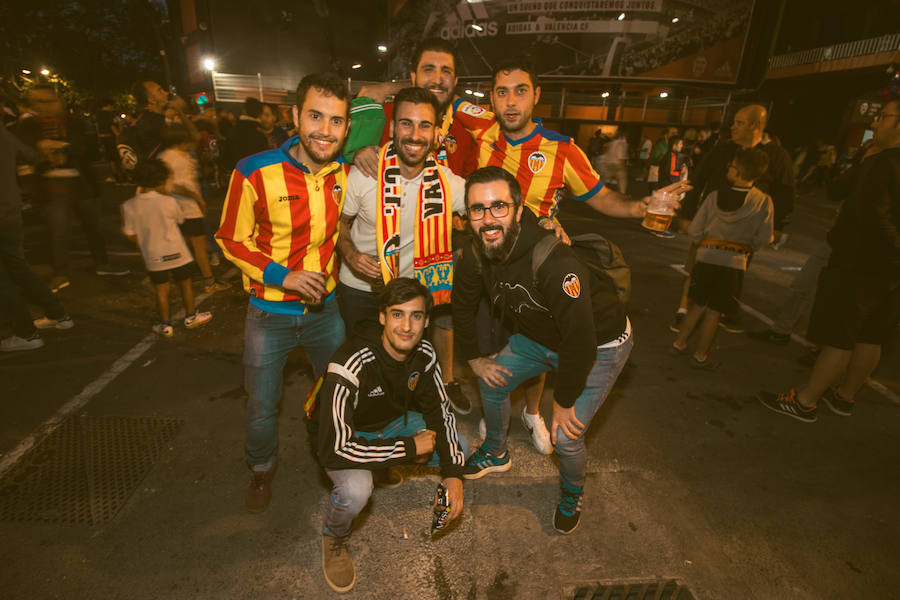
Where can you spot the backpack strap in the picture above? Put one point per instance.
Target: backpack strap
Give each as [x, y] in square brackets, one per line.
[539, 254]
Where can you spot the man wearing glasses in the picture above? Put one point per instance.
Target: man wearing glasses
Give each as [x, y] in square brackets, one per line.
[857, 304]
[567, 318]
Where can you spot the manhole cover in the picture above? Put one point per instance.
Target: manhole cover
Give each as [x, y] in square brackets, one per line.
[656, 589]
[85, 470]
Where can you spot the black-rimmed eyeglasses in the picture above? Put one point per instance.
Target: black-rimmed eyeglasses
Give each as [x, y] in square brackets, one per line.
[499, 209]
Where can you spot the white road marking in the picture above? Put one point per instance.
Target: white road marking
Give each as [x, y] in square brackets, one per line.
[78, 402]
[875, 385]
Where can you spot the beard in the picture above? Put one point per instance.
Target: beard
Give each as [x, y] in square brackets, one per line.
[501, 251]
[320, 156]
[407, 159]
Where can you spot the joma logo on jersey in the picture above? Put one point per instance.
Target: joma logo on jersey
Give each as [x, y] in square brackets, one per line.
[289, 198]
[536, 162]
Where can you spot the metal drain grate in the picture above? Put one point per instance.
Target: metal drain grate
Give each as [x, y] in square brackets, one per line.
[656, 589]
[84, 471]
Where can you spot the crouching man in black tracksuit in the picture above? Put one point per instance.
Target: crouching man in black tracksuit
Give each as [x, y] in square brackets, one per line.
[382, 404]
[566, 317]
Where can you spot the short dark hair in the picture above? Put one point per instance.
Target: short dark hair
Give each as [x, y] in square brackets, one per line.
[434, 44]
[751, 163]
[139, 91]
[328, 83]
[674, 140]
[516, 63]
[401, 290]
[274, 110]
[489, 174]
[253, 107]
[175, 135]
[150, 173]
[416, 95]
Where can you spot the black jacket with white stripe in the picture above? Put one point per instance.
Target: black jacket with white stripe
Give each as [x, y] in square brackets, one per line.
[365, 389]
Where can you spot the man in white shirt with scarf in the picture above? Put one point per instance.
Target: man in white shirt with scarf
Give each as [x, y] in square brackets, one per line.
[398, 225]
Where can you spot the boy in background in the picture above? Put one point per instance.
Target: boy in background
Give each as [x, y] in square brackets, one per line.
[732, 224]
[151, 220]
[186, 190]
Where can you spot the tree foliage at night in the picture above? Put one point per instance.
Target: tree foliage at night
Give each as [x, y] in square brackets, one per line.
[98, 46]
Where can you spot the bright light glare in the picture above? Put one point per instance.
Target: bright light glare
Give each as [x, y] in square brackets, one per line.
[209, 63]
[621, 17]
[382, 48]
[675, 20]
[469, 92]
[664, 94]
[123, 115]
[478, 94]
[357, 66]
[26, 71]
[477, 27]
[45, 71]
[605, 95]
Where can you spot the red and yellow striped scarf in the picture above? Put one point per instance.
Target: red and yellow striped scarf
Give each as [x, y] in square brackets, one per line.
[433, 255]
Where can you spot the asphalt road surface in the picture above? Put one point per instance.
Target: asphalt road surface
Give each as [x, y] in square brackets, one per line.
[690, 478]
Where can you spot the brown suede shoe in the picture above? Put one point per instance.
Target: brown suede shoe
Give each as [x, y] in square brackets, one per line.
[260, 491]
[337, 564]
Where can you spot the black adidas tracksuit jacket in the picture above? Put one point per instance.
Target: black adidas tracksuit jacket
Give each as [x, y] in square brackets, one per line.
[365, 389]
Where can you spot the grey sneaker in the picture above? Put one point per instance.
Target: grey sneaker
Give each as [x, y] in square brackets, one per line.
[64, 322]
[197, 319]
[337, 564]
[14, 343]
[837, 403]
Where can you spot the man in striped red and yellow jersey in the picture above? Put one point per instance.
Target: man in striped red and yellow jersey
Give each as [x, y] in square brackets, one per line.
[543, 161]
[280, 227]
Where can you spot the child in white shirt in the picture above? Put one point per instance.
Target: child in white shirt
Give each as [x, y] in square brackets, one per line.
[151, 220]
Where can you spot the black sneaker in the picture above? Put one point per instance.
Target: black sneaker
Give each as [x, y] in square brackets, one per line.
[787, 404]
[731, 323]
[568, 511]
[458, 399]
[676, 322]
[771, 336]
[837, 403]
[483, 462]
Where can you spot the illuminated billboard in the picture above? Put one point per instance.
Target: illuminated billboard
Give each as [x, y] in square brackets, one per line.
[688, 40]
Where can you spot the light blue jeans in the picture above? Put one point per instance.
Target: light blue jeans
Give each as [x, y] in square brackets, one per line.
[269, 338]
[525, 359]
[353, 487]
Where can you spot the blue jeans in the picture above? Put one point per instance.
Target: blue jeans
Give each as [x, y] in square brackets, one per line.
[353, 487]
[525, 359]
[269, 338]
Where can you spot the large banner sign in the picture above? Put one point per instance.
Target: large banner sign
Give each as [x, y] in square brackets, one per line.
[693, 40]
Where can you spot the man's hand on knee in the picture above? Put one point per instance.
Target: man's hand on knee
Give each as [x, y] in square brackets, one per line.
[489, 371]
[565, 419]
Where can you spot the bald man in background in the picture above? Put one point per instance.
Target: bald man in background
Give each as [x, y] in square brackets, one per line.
[778, 182]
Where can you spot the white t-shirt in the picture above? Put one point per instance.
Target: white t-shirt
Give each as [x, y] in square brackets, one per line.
[185, 173]
[154, 219]
[360, 201]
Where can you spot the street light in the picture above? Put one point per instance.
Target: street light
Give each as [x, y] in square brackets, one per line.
[209, 63]
[675, 19]
[26, 71]
[45, 71]
[477, 27]
[478, 94]
[382, 48]
[356, 66]
[621, 17]
[604, 95]
[664, 94]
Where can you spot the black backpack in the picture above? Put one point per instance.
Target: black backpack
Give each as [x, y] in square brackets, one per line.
[594, 251]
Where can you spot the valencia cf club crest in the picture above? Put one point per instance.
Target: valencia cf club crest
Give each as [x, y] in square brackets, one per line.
[450, 144]
[571, 285]
[536, 162]
[336, 192]
[413, 381]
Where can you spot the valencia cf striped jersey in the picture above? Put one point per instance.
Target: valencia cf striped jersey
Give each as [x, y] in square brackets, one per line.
[279, 217]
[544, 163]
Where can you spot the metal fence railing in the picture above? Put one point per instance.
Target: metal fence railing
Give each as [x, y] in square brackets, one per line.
[231, 87]
[884, 43]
